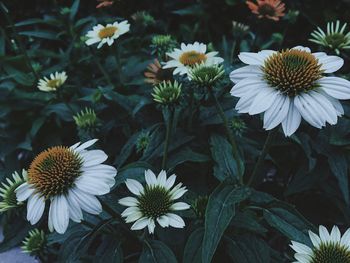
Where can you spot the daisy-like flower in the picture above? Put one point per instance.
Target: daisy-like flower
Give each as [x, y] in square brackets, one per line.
[69, 178]
[271, 9]
[327, 247]
[154, 203]
[106, 34]
[53, 82]
[290, 84]
[155, 74]
[190, 55]
[34, 243]
[335, 38]
[7, 191]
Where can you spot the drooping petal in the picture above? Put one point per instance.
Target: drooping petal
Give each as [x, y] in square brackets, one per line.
[134, 186]
[336, 87]
[35, 208]
[291, 123]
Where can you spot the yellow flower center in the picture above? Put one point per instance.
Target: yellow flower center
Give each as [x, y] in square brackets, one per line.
[191, 58]
[292, 71]
[54, 171]
[107, 31]
[53, 83]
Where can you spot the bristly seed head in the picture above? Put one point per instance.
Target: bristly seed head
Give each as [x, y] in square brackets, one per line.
[292, 71]
[54, 171]
[331, 253]
[155, 201]
[191, 58]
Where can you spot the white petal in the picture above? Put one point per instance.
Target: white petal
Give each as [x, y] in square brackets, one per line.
[330, 64]
[292, 121]
[263, 100]
[163, 221]
[345, 240]
[335, 234]
[248, 86]
[307, 110]
[140, 224]
[162, 178]
[303, 258]
[245, 72]
[326, 107]
[23, 192]
[301, 248]
[302, 48]
[177, 193]
[251, 58]
[277, 112]
[180, 206]
[59, 214]
[336, 87]
[324, 235]
[128, 201]
[92, 185]
[35, 208]
[87, 202]
[170, 181]
[175, 220]
[315, 239]
[133, 217]
[93, 157]
[75, 212]
[134, 186]
[85, 145]
[150, 177]
[151, 225]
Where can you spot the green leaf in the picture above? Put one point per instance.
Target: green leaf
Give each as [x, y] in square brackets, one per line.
[193, 248]
[31, 21]
[40, 34]
[74, 9]
[248, 249]
[339, 167]
[134, 170]
[155, 251]
[186, 155]
[111, 252]
[288, 224]
[219, 213]
[225, 166]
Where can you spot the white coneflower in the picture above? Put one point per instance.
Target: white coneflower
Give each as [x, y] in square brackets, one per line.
[53, 82]
[70, 178]
[154, 203]
[190, 55]
[106, 34]
[335, 37]
[327, 247]
[290, 84]
[7, 191]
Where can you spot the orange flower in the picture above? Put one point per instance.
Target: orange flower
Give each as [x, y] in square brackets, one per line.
[104, 3]
[271, 9]
[155, 74]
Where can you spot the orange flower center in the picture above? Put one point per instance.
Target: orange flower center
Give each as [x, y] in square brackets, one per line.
[54, 171]
[292, 71]
[107, 31]
[191, 58]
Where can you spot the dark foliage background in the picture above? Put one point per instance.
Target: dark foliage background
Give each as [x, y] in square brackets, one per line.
[304, 182]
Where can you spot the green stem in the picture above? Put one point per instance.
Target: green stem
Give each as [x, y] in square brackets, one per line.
[117, 57]
[100, 67]
[262, 155]
[17, 38]
[169, 125]
[228, 131]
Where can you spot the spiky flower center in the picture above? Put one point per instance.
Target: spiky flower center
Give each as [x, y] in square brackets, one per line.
[331, 253]
[9, 195]
[155, 201]
[336, 40]
[34, 242]
[53, 83]
[191, 58]
[292, 71]
[266, 10]
[54, 171]
[107, 31]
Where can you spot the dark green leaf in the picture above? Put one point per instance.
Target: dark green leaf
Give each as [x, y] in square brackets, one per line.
[155, 251]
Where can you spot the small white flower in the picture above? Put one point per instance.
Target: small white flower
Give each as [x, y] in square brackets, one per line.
[190, 55]
[327, 247]
[106, 34]
[288, 85]
[53, 82]
[334, 38]
[154, 203]
[70, 178]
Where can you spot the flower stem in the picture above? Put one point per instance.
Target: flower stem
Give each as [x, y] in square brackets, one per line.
[169, 124]
[100, 67]
[262, 156]
[16, 36]
[228, 131]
